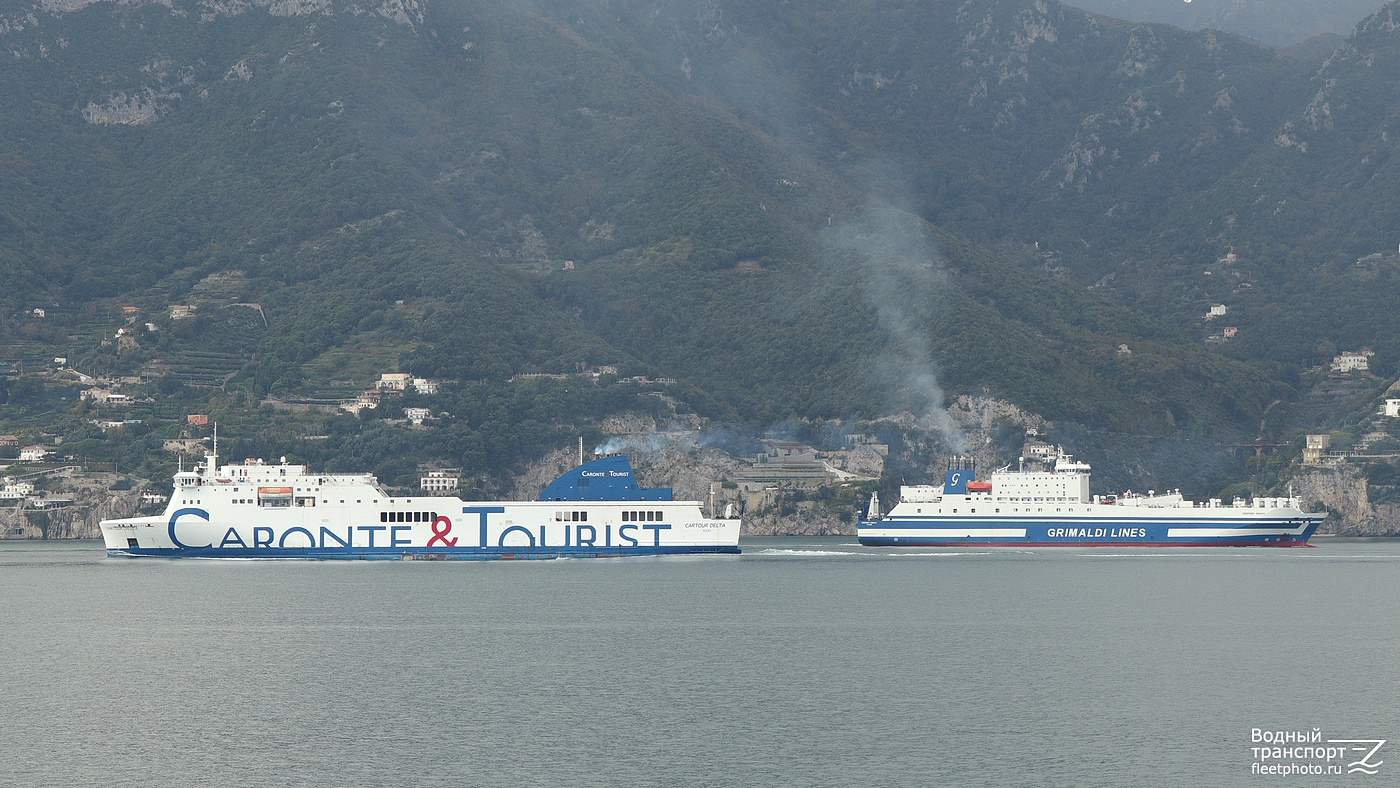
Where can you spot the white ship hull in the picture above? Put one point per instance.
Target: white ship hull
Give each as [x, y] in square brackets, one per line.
[280, 511]
[1054, 508]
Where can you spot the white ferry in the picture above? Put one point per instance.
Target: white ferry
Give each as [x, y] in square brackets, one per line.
[1024, 508]
[261, 510]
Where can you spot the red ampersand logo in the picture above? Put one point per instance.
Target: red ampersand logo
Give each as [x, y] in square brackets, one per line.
[440, 534]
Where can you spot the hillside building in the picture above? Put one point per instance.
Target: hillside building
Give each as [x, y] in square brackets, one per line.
[440, 481]
[1314, 448]
[16, 491]
[394, 381]
[1348, 361]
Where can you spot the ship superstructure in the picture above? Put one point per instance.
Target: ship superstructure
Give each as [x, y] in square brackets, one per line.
[263, 510]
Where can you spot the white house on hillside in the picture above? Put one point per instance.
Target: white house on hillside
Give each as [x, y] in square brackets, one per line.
[1353, 362]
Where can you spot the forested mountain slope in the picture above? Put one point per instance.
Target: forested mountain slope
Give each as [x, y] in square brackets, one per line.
[820, 210]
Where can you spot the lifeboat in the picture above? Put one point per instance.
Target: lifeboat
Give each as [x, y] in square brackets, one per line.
[979, 487]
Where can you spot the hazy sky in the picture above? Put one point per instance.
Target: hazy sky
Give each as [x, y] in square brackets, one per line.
[1276, 22]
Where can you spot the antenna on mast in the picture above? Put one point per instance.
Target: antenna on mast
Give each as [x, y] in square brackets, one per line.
[214, 453]
[580, 450]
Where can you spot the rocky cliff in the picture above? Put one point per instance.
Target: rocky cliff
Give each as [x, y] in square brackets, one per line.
[1341, 490]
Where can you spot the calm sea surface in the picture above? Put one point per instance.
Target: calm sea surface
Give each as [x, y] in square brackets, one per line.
[801, 662]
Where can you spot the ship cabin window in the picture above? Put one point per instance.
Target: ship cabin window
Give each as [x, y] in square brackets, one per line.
[641, 517]
[306, 501]
[571, 517]
[407, 517]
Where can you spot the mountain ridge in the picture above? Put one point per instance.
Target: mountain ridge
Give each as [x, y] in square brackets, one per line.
[834, 212]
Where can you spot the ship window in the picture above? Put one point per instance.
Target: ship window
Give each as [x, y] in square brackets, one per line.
[583, 517]
[383, 517]
[626, 517]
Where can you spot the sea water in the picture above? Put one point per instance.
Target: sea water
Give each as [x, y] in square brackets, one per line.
[801, 662]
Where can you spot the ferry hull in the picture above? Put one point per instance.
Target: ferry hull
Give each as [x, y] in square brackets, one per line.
[1283, 532]
[259, 511]
[282, 535]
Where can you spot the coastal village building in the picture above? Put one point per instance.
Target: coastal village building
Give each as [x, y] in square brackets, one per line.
[784, 465]
[1314, 448]
[16, 491]
[1391, 408]
[1353, 362]
[1038, 450]
[32, 453]
[417, 415]
[105, 397]
[440, 481]
[367, 399]
[394, 381]
[425, 386]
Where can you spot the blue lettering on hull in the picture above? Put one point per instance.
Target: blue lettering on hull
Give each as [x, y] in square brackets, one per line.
[398, 541]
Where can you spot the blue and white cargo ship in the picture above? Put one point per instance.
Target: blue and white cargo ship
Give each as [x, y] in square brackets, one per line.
[1037, 508]
[260, 510]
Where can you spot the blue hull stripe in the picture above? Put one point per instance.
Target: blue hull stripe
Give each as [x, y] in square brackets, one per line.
[1003, 531]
